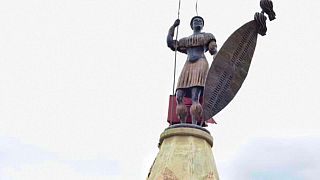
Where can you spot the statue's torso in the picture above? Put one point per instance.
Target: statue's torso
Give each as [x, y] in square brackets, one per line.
[195, 53]
[196, 45]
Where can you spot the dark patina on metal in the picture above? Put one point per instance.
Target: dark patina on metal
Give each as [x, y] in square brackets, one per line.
[228, 70]
[192, 78]
[231, 64]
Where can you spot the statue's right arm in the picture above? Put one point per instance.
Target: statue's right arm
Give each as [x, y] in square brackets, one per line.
[172, 44]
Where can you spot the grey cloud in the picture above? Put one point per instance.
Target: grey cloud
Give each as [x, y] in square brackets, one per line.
[15, 154]
[276, 159]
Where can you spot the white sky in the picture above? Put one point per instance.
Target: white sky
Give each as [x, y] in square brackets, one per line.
[84, 87]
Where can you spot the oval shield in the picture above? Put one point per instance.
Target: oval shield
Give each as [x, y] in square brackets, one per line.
[229, 69]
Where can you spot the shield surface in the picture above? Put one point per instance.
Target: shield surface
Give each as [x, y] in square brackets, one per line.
[229, 69]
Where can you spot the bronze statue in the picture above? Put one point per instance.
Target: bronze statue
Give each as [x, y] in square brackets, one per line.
[229, 68]
[192, 78]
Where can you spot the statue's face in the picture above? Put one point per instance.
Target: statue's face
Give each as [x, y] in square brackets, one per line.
[197, 24]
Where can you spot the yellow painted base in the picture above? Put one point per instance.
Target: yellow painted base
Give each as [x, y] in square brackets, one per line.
[185, 154]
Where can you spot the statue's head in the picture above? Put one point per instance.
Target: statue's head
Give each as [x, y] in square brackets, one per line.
[197, 23]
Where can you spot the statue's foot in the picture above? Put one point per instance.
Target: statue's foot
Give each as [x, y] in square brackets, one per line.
[196, 112]
[182, 112]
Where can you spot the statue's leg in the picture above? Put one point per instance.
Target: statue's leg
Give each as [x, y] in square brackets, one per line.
[196, 108]
[181, 109]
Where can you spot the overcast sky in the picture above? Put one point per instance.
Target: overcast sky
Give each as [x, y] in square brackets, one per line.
[84, 88]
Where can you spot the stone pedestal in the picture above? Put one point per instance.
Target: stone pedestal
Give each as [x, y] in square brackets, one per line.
[185, 154]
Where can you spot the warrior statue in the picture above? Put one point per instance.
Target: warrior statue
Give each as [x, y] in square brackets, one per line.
[220, 83]
[193, 76]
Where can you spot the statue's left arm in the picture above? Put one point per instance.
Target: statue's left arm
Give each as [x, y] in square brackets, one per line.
[212, 45]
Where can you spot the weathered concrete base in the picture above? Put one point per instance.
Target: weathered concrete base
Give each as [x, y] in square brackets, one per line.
[185, 154]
